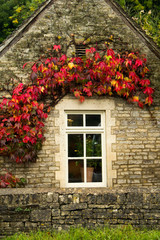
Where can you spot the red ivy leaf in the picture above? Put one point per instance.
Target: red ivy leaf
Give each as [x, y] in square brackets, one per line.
[148, 90]
[18, 89]
[82, 99]
[77, 94]
[34, 68]
[56, 47]
[25, 65]
[26, 128]
[139, 62]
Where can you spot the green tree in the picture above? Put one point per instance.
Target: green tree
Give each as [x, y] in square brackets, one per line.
[6, 10]
[13, 12]
[146, 13]
[23, 11]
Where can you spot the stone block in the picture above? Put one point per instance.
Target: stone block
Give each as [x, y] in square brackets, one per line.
[63, 199]
[40, 215]
[30, 225]
[52, 197]
[109, 198]
[55, 212]
[74, 206]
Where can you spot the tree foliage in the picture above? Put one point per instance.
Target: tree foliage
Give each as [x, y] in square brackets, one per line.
[146, 13]
[13, 12]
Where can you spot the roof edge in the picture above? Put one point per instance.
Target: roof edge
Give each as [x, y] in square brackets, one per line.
[18, 33]
[134, 26]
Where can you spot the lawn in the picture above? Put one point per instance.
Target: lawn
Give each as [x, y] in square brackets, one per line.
[118, 233]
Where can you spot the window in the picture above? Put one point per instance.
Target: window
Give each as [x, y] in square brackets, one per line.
[91, 121]
[85, 149]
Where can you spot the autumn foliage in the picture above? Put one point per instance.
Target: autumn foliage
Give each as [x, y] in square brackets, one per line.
[100, 73]
[9, 180]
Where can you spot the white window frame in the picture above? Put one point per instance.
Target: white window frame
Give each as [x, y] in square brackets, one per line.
[57, 117]
[84, 130]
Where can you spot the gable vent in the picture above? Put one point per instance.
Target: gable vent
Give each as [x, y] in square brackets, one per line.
[80, 51]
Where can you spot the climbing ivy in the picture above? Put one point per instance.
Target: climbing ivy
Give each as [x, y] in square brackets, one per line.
[9, 180]
[22, 117]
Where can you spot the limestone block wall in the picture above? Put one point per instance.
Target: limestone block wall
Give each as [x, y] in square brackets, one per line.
[132, 146]
[137, 145]
[135, 148]
[26, 210]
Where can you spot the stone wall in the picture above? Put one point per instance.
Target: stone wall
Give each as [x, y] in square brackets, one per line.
[136, 132]
[91, 21]
[132, 146]
[25, 210]
[137, 145]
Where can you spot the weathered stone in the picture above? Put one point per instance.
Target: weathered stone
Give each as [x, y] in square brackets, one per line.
[63, 199]
[55, 212]
[41, 215]
[74, 206]
[52, 197]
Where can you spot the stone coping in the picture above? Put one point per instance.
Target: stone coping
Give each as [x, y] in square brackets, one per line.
[95, 191]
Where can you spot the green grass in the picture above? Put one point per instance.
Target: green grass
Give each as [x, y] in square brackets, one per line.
[118, 233]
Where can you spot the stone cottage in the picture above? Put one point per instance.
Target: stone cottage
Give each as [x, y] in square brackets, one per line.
[126, 138]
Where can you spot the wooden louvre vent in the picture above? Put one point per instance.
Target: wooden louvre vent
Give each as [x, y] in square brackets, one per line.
[80, 51]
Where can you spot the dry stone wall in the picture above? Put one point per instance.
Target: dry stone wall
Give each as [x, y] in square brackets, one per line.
[25, 210]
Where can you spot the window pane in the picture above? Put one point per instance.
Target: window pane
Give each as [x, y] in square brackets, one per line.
[74, 120]
[93, 120]
[75, 171]
[93, 145]
[94, 170]
[75, 145]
